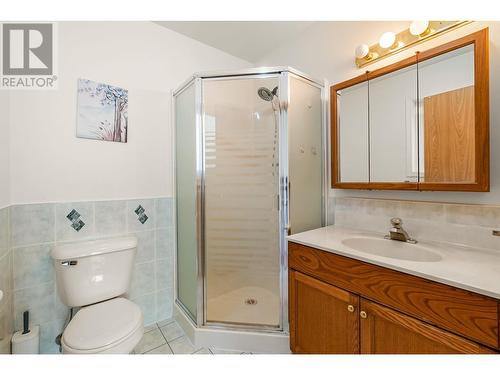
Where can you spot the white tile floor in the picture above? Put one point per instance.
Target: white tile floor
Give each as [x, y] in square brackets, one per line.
[167, 337]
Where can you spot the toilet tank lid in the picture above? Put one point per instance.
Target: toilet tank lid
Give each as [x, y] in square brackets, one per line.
[89, 248]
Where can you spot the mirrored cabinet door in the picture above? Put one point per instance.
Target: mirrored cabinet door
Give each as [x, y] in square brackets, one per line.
[447, 121]
[393, 126]
[419, 124]
[352, 131]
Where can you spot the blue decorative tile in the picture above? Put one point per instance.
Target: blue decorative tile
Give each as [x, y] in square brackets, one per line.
[139, 210]
[76, 222]
[81, 228]
[143, 218]
[73, 215]
[146, 209]
[77, 225]
[141, 214]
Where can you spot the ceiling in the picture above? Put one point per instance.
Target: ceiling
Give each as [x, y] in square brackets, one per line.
[248, 40]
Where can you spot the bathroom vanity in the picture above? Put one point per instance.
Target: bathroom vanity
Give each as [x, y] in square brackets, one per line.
[354, 292]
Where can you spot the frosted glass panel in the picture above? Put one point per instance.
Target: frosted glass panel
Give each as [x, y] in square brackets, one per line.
[185, 159]
[305, 156]
[241, 202]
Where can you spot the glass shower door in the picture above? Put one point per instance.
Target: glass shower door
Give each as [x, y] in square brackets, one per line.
[241, 201]
[186, 199]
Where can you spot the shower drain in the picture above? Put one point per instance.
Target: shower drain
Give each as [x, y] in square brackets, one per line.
[250, 301]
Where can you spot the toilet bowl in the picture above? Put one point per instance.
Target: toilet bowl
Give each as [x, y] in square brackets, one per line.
[95, 275]
[110, 327]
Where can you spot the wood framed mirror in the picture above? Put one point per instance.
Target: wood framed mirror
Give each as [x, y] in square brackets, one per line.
[419, 124]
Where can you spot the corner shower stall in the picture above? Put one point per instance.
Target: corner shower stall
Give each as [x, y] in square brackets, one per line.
[250, 169]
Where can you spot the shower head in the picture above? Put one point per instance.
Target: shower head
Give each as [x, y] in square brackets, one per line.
[266, 94]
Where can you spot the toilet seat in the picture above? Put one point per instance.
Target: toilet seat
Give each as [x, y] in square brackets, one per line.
[113, 326]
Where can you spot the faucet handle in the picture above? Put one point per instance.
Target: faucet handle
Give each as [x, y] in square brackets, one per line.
[396, 222]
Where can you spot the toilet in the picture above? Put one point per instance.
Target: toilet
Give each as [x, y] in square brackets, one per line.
[94, 276]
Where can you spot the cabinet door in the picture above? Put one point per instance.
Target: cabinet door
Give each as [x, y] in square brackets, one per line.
[323, 319]
[386, 331]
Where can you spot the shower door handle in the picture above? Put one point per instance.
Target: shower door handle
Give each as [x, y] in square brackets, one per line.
[285, 188]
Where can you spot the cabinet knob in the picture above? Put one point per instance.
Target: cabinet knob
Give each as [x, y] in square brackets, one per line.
[350, 308]
[363, 315]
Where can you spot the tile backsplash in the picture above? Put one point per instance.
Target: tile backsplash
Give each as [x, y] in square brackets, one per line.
[465, 224]
[36, 228]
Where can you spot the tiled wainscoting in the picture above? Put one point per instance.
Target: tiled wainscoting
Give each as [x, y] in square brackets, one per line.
[465, 224]
[36, 228]
[6, 321]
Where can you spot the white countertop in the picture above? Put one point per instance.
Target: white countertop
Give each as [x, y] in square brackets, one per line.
[476, 270]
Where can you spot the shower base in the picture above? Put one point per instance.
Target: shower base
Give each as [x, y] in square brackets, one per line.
[248, 305]
[245, 340]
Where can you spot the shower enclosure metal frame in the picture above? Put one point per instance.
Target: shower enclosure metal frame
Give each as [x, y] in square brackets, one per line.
[283, 74]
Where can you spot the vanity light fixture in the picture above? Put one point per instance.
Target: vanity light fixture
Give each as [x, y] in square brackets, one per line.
[387, 40]
[391, 43]
[363, 52]
[420, 28]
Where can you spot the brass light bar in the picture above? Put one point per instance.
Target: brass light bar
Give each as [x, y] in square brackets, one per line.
[405, 40]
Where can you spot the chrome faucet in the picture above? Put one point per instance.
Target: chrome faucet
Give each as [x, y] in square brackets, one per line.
[397, 232]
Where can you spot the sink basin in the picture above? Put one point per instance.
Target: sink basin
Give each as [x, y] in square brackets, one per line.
[392, 249]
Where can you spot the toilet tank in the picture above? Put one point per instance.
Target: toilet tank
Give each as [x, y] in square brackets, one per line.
[93, 271]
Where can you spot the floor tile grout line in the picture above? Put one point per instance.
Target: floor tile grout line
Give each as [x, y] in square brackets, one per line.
[159, 346]
[170, 348]
[166, 341]
[156, 347]
[183, 334]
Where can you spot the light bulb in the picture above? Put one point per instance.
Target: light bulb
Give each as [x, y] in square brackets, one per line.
[418, 28]
[387, 39]
[362, 51]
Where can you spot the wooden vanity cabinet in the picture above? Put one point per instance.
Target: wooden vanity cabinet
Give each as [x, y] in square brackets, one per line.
[339, 305]
[325, 318]
[387, 331]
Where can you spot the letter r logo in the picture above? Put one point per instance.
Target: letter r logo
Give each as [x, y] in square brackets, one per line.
[27, 49]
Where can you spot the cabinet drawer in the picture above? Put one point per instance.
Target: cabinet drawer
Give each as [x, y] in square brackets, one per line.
[468, 314]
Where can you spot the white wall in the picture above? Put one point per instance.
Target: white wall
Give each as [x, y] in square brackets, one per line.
[51, 164]
[327, 51]
[4, 150]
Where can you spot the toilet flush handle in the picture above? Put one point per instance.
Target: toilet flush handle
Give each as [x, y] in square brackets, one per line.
[69, 263]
